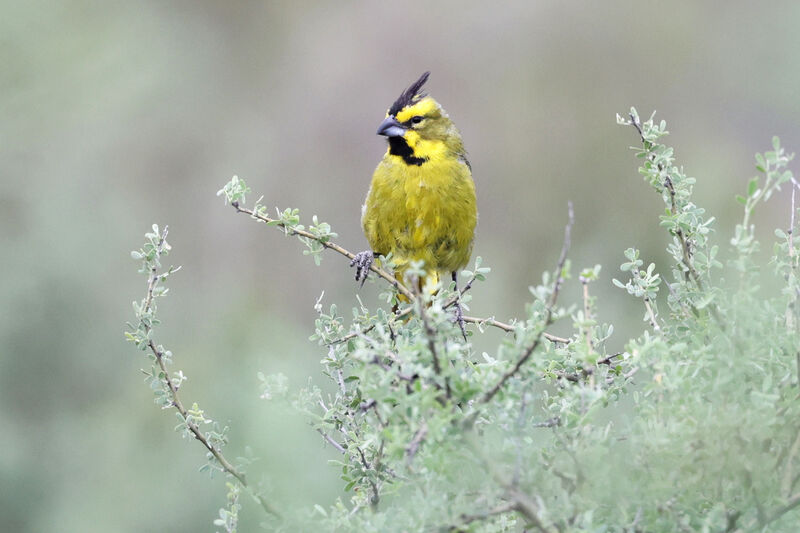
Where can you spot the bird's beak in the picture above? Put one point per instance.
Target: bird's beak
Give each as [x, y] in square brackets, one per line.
[391, 128]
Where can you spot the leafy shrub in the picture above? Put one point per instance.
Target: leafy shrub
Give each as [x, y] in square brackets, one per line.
[692, 427]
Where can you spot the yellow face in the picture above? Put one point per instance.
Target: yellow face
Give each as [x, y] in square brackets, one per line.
[422, 121]
[426, 107]
[418, 129]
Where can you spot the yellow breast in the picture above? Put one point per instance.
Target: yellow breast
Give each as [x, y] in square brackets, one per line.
[426, 212]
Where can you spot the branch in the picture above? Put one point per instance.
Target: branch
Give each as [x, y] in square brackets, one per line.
[389, 278]
[430, 333]
[690, 272]
[332, 442]
[502, 508]
[470, 319]
[548, 311]
[176, 402]
[461, 292]
[607, 360]
[651, 315]
[587, 313]
[416, 441]
[508, 327]
[522, 502]
[687, 253]
[376, 498]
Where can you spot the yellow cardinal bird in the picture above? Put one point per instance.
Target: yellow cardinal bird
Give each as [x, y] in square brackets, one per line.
[421, 203]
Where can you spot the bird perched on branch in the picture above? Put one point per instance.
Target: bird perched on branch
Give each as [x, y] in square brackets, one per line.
[421, 202]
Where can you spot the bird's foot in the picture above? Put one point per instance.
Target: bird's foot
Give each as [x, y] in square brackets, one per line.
[362, 261]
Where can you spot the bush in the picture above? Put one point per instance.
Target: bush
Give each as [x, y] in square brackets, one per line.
[692, 427]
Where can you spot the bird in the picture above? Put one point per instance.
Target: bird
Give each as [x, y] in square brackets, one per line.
[421, 203]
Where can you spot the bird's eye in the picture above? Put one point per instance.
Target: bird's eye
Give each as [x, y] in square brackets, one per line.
[416, 120]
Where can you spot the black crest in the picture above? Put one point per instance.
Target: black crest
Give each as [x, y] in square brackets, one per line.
[410, 95]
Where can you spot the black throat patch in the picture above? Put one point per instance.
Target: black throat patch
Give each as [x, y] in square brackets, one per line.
[399, 146]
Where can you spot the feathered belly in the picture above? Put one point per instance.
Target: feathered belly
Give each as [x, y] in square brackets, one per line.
[422, 214]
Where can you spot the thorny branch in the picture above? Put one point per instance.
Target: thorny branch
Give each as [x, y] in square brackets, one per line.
[152, 282]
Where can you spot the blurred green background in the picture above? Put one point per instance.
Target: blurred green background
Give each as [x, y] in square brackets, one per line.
[117, 115]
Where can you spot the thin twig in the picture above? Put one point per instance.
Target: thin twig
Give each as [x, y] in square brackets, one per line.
[416, 441]
[690, 272]
[651, 315]
[685, 246]
[587, 313]
[470, 319]
[375, 494]
[549, 423]
[510, 328]
[327, 244]
[502, 508]
[460, 292]
[340, 378]
[176, 401]
[430, 333]
[607, 360]
[548, 312]
[687, 254]
[333, 442]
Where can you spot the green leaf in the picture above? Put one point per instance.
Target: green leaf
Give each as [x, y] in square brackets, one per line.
[752, 186]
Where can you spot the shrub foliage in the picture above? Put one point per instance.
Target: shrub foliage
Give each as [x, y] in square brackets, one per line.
[693, 426]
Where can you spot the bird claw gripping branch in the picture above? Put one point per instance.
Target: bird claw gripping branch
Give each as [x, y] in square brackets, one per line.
[362, 261]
